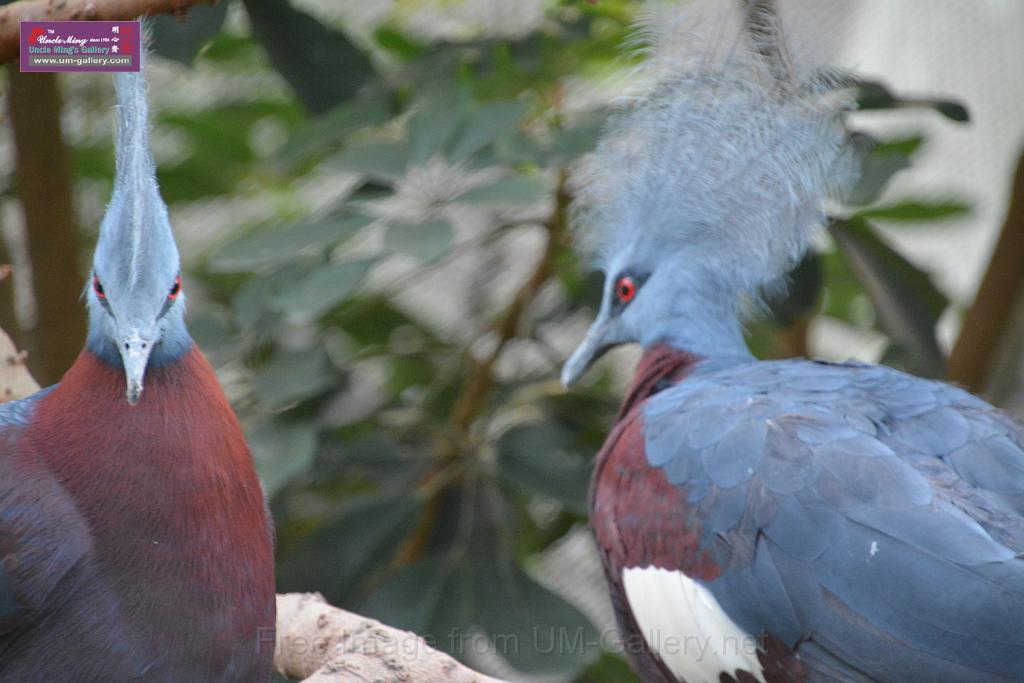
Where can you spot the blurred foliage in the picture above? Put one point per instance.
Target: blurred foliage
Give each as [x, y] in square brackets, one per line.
[417, 467]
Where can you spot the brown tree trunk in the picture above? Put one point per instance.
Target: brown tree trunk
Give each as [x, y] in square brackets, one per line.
[44, 186]
[985, 324]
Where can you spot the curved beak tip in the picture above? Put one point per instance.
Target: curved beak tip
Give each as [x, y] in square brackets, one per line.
[569, 376]
[590, 349]
[599, 339]
[578, 363]
[135, 355]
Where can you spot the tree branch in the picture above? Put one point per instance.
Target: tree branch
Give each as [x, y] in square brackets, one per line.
[472, 395]
[324, 644]
[470, 398]
[987, 321]
[15, 379]
[78, 10]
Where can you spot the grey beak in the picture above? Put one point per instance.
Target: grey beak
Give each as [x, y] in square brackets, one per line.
[593, 346]
[135, 355]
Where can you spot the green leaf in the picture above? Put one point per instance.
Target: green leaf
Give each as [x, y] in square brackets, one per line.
[198, 177]
[217, 142]
[536, 459]
[324, 289]
[921, 210]
[514, 150]
[803, 293]
[485, 125]
[226, 50]
[210, 331]
[571, 143]
[535, 630]
[397, 42]
[223, 133]
[906, 301]
[907, 145]
[349, 550]
[292, 376]
[429, 129]
[478, 586]
[376, 329]
[282, 451]
[842, 289]
[953, 111]
[375, 458]
[252, 302]
[422, 598]
[321, 65]
[507, 192]
[181, 37]
[877, 169]
[876, 95]
[426, 241]
[382, 161]
[329, 129]
[281, 244]
[610, 668]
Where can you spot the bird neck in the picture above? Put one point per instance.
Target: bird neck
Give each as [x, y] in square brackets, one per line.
[660, 365]
[701, 320]
[705, 337]
[175, 343]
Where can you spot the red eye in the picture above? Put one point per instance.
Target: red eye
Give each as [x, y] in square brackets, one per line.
[175, 289]
[625, 289]
[98, 288]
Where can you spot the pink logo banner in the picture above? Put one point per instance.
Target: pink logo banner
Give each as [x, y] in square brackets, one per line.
[80, 45]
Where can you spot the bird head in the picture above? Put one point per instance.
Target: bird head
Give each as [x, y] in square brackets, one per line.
[135, 299]
[706, 186]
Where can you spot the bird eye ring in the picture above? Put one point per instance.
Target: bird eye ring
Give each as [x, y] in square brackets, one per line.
[625, 289]
[175, 289]
[98, 288]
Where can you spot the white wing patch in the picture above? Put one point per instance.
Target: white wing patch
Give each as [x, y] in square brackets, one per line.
[685, 626]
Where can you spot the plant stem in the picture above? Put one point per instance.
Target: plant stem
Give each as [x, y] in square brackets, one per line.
[472, 397]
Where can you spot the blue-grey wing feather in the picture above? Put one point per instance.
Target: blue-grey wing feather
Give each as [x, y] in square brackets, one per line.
[20, 519]
[18, 414]
[872, 520]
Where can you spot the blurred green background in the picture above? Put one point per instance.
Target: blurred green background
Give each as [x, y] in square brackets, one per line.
[373, 214]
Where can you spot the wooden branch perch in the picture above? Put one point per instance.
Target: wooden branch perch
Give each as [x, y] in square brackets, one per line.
[325, 644]
[15, 379]
[315, 641]
[78, 10]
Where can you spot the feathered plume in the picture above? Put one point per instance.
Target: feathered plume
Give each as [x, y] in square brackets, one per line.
[135, 233]
[134, 161]
[728, 154]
